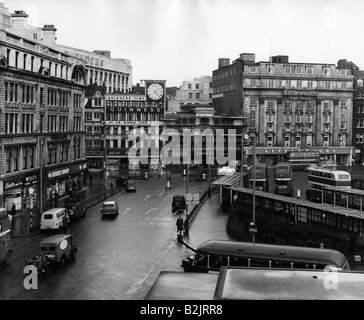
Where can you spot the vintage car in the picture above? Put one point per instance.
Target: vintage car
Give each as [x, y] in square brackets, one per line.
[59, 248]
[110, 208]
[130, 185]
[121, 180]
[178, 203]
[75, 210]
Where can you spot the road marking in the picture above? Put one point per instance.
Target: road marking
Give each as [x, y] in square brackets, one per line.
[127, 209]
[161, 193]
[151, 210]
[147, 196]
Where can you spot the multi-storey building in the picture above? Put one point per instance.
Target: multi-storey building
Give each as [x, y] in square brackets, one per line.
[297, 107]
[131, 112]
[41, 116]
[198, 91]
[200, 120]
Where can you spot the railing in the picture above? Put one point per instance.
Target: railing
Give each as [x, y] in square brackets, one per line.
[191, 215]
[97, 198]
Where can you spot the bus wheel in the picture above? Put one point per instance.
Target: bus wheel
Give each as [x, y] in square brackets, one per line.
[7, 258]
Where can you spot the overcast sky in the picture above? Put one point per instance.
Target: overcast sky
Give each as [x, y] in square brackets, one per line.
[178, 40]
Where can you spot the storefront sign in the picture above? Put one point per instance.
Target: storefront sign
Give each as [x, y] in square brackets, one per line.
[115, 108]
[127, 123]
[30, 180]
[13, 184]
[57, 173]
[306, 93]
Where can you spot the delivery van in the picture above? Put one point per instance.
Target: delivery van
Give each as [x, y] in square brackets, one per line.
[53, 218]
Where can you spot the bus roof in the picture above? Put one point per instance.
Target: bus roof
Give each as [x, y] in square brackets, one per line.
[322, 169]
[273, 251]
[348, 212]
[234, 283]
[273, 284]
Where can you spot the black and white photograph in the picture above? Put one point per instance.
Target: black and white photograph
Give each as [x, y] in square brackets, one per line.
[183, 154]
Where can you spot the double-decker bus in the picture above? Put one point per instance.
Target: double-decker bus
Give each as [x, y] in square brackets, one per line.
[320, 178]
[213, 254]
[283, 178]
[261, 177]
[6, 247]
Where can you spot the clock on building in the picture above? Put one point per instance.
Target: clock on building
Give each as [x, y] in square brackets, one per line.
[155, 91]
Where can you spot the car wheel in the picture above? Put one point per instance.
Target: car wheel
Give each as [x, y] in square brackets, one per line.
[63, 260]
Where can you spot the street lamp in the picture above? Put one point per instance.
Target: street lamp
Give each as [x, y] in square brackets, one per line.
[253, 145]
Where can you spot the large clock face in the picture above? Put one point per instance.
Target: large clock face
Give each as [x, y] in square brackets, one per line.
[155, 91]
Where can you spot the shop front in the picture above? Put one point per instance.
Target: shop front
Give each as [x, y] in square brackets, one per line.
[64, 181]
[328, 156]
[22, 191]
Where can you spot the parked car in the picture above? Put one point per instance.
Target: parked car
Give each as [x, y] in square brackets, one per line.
[59, 248]
[110, 208]
[178, 203]
[121, 180]
[130, 185]
[53, 218]
[75, 210]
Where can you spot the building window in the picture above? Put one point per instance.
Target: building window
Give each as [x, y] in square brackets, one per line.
[326, 70]
[326, 140]
[270, 68]
[309, 140]
[343, 125]
[309, 69]
[298, 105]
[253, 69]
[270, 140]
[299, 69]
[299, 84]
[309, 118]
[287, 104]
[343, 72]
[27, 123]
[197, 95]
[190, 96]
[287, 140]
[270, 104]
[326, 105]
[298, 140]
[309, 84]
[270, 118]
[326, 118]
[298, 118]
[287, 69]
[197, 86]
[309, 106]
[88, 116]
[189, 86]
[287, 118]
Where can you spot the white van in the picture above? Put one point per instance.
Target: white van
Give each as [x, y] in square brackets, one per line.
[53, 218]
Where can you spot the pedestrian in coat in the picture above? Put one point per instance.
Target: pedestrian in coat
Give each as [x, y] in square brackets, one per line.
[186, 226]
[179, 224]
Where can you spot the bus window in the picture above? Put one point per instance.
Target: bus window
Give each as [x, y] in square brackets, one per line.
[281, 264]
[217, 262]
[238, 262]
[260, 263]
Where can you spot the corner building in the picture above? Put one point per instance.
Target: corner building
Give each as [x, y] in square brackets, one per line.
[297, 108]
[42, 94]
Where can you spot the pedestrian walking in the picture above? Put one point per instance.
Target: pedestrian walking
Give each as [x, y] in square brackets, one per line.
[186, 226]
[65, 221]
[56, 197]
[112, 187]
[91, 177]
[12, 214]
[179, 225]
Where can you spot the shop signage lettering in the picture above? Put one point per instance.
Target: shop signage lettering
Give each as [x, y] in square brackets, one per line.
[13, 184]
[30, 179]
[58, 173]
[116, 109]
[111, 123]
[300, 93]
[90, 60]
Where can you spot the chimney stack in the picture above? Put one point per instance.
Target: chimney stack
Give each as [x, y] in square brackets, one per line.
[19, 19]
[49, 34]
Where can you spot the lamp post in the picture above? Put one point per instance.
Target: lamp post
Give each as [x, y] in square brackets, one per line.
[41, 141]
[253, 188]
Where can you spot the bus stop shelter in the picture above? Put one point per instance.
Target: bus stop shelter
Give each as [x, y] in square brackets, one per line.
[235, 180]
